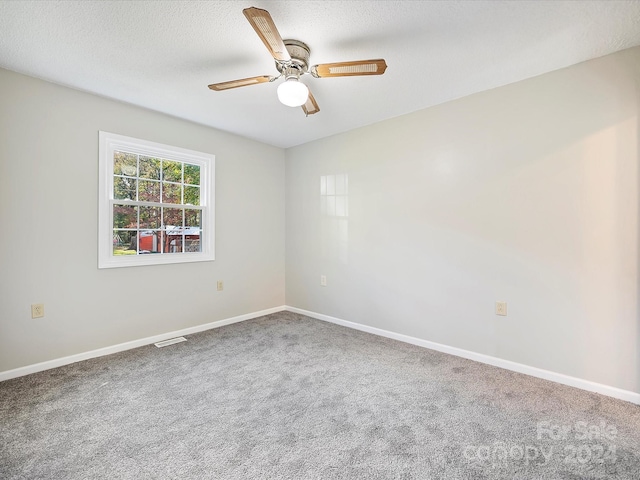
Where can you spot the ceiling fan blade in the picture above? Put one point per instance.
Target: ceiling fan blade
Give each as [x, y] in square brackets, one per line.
[239, 83]
[348, 69]
[311, 106]
[262, 23]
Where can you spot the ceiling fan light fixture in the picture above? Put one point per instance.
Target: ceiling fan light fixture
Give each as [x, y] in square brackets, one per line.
[292, 92]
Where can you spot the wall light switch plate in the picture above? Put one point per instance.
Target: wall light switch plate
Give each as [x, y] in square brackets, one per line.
[323, 280]
[220, 285]
[501, 308]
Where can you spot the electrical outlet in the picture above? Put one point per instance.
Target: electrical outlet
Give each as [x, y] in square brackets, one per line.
[501, 308]
[323, 280]
[220, 285]
[37, 310]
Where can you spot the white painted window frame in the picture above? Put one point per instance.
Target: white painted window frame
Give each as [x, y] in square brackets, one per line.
[110, 142]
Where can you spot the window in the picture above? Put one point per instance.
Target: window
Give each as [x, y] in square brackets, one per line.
[156, 203]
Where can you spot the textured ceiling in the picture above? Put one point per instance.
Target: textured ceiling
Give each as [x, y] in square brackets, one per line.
[163, 54]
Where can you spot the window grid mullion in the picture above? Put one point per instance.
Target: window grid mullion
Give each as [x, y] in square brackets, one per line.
[156, 204]
[138, 199]
[138, 177]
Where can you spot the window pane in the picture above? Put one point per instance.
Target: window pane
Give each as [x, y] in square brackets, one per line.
[124, 242]
[192, 240]
[150, 168]
[150, 217]
[125, 216]
[125, 164]
[149, 241]
[192, 218]
[171, 171]
[149, 191]
[191, 174]
[124, 188]
[192, 195]
[172, 217]
[173, 241]
[171, 193]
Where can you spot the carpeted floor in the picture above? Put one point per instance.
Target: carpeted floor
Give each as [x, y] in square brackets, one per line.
[289, 397]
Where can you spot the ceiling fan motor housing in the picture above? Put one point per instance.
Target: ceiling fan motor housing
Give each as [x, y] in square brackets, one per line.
[299, 53]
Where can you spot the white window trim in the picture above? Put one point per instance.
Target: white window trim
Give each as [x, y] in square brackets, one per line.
[108, 143]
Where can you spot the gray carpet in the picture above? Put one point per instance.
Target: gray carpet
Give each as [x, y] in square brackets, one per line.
[289, 397]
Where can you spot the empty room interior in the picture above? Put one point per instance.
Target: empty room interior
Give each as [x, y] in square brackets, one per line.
[407, 249]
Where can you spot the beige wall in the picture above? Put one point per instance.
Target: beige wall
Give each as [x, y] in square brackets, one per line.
[48, 246]
[527, 193]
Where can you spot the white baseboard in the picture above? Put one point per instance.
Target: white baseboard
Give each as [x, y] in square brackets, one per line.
[58, 362]
[479, 357]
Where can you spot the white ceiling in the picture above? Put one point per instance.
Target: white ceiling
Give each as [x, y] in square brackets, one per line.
[163, 54]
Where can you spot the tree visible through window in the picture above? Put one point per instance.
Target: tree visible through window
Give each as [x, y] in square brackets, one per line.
[156, 201]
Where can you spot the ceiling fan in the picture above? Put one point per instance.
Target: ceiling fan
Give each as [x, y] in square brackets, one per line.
[292, 61]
